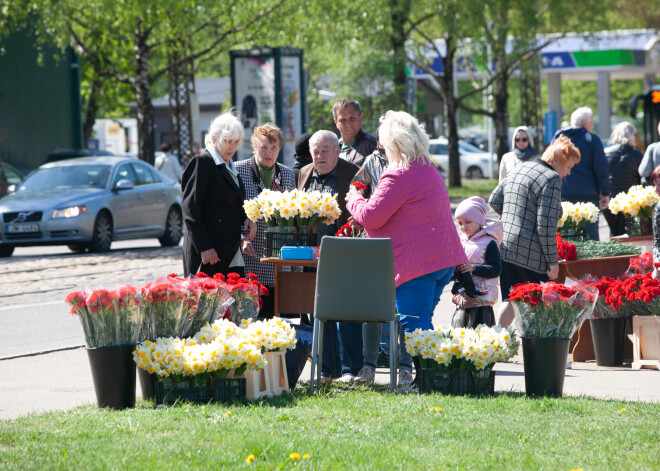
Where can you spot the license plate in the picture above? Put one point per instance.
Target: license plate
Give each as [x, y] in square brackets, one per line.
[21, 228]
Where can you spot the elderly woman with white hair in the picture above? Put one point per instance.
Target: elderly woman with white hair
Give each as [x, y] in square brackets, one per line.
[213, 196]
[623, 160]
[410, 206]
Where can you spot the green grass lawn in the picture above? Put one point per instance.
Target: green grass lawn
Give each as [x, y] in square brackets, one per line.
[343, 427]
[472, 187]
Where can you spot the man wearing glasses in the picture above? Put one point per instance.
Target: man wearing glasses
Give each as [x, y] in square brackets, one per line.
[355, 143]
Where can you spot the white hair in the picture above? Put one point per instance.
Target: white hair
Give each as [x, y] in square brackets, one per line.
[319, 135]
[403, 138]
[624, 133]
[225, 126]
[580, 115]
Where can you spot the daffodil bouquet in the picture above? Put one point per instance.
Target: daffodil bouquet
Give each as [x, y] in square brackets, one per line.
[273, 335]
[213, 353]
[462, 349]
[638, 203]
[574, 217]
[293, 208]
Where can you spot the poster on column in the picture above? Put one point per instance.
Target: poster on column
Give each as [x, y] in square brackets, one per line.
[254, 88]
[292, 109]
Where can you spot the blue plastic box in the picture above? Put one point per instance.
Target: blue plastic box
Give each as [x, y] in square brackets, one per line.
[298, 253]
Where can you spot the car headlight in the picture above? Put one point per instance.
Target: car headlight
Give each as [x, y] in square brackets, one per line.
[70, 212]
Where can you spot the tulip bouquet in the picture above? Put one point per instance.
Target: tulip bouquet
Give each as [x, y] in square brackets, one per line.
[214, 299]
[170, 305]
[462, 349]
[574, 217]
[551, 310]
[293, 208]
[109, 316]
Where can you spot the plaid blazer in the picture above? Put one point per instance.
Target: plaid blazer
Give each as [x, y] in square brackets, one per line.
[528, 201]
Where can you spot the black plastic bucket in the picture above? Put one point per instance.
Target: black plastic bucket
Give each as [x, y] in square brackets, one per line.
[147, 384]
[113, 371]
[544, 360]
[608, 336]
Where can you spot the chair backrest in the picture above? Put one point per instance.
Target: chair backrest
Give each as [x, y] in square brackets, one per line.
[355, 280]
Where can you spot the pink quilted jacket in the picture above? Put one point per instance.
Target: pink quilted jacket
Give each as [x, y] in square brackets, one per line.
[411, 207]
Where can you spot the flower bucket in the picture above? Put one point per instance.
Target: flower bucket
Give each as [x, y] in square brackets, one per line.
[608, 336]
[147, 384]
[544, 360]
[456, 382]
[113, 371]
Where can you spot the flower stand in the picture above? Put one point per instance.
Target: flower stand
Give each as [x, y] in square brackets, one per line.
[608, 337]
[544, 361]
[113, 371]
[457, 382]
[257, 384]
[276, 368]
[646, 342]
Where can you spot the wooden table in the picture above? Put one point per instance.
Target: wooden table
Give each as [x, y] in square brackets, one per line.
[294, 290]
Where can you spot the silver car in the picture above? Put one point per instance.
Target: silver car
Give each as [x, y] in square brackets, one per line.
[88, 202]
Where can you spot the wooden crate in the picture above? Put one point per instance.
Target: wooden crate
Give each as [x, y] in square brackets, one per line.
[646, 342]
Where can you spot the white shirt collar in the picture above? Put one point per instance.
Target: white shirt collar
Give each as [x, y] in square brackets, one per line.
[215, 154]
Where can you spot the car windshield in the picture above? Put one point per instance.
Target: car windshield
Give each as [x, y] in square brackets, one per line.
[467, 147]
[70, 176]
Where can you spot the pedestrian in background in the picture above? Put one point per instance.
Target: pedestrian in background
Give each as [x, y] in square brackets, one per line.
[168, 163]
[589, 181]
[650, 161]
[523, 151]
[624, 161]
[302, 156]
[356, 144]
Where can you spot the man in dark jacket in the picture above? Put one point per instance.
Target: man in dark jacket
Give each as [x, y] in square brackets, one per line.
[355, 143]
[589, 181]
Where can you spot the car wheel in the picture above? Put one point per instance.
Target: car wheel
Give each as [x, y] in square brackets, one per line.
[102, 237]
[474, 172]
[173, 228]
[77, 248]
[6, 250]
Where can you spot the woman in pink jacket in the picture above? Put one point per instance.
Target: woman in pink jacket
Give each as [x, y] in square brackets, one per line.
[411, 207]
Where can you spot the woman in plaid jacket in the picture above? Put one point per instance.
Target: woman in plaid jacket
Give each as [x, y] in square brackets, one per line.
[528, 201]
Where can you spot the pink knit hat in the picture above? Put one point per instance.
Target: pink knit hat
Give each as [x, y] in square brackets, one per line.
[473, 208]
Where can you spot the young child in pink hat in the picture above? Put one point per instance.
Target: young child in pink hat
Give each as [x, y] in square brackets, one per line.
[481, 238]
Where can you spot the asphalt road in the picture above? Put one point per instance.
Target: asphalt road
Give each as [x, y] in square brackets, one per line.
[35, 280]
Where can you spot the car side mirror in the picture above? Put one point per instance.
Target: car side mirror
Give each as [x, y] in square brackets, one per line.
[124, 184]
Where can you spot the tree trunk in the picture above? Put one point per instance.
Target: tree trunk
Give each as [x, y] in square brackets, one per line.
[142, 89]
[400, 12]
[501, 111]
[91, 109]
[450, 108]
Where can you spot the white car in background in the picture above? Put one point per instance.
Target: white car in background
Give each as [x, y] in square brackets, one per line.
[473, 161]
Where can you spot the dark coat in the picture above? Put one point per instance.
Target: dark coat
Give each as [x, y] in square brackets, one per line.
[623, 163]
[212, 211]
[589, 178]
[363, 146]
[345, 174]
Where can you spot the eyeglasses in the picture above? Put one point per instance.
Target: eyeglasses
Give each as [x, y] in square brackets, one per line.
[521, 139]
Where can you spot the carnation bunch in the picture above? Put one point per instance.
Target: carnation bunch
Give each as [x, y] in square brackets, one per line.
[350, 229]
[565, 249]
[552, 310]
[170, 305]
[293, 208]
[247, 294]
[215, 297]
[462, 349]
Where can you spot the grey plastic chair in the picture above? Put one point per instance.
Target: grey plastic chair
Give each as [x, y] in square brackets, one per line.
[354, 283]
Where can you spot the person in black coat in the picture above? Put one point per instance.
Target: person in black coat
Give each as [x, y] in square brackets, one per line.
[302, 156]
[623, 160]
[213, 196]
